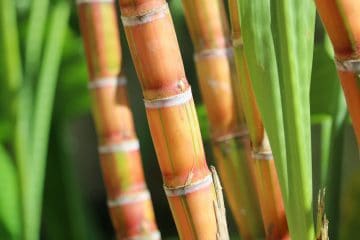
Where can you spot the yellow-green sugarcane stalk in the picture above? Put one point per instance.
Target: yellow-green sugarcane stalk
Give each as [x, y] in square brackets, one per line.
[271, 200]
[194, 198]
[206, 20]
[129, 200]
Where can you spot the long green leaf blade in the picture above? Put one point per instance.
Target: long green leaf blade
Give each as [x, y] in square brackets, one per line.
[43, 110]
[35, 37]
[278, 47]
[260, 54]
[293, 30]
[10, 41]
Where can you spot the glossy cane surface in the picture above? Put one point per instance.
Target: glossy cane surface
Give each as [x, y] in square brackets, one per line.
[215, 67]
[129, 200]
[172, 118]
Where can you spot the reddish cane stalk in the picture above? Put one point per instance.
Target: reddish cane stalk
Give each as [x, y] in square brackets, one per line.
[206, 20]
[341, 20]
[129, 200]
[194, 199]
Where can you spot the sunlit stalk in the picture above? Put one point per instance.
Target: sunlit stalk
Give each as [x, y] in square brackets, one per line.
[206, 20]
[193, 197]
[129, 200]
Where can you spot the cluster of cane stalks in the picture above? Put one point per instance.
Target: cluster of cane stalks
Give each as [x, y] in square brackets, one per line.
[251, 171]
[255, 84]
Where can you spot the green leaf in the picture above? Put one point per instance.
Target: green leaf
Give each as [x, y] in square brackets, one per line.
[321, 138]
[326, 95]
[35, 36]
[42, 115]
[10, 42]
[278, 43]
[10, 220]
[256, 30]
[293, 32]
[327, 98]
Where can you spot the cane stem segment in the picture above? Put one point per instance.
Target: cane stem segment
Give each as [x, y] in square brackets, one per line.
[129, 200]
[172, 119]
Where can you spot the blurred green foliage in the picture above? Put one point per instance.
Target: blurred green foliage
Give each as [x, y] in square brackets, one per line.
[328, 110]
[44, 96]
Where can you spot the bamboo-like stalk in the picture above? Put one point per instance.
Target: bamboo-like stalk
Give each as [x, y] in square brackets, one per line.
[341, 20]
[192, 193]
[271, 201]
[129, 200]
[206, 20]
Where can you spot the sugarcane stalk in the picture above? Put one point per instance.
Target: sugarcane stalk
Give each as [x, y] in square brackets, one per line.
[129, 200]
[340, 19]
[213, 57]
[194, 200]
[271, 201]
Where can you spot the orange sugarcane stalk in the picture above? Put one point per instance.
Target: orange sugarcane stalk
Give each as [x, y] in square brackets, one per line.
[129, 200]
[271, 201]
[194, 199]
[341, 20]
[206, 20]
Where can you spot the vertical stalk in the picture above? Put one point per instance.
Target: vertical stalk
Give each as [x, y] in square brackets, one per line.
[193, 197]
[340, 19]
[129, 200]
[209, 31]
[271, 200]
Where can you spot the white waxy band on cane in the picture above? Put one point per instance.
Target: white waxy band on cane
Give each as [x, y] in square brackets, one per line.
[129, 199]
[237, 42]
[262, 155]
[193, 187]
[215, 52]
[175, 100]
[125, 146]
[146, 17]
[241, 134]
[351, 65]
[107, 82]
[151, 236]
[93, 1]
